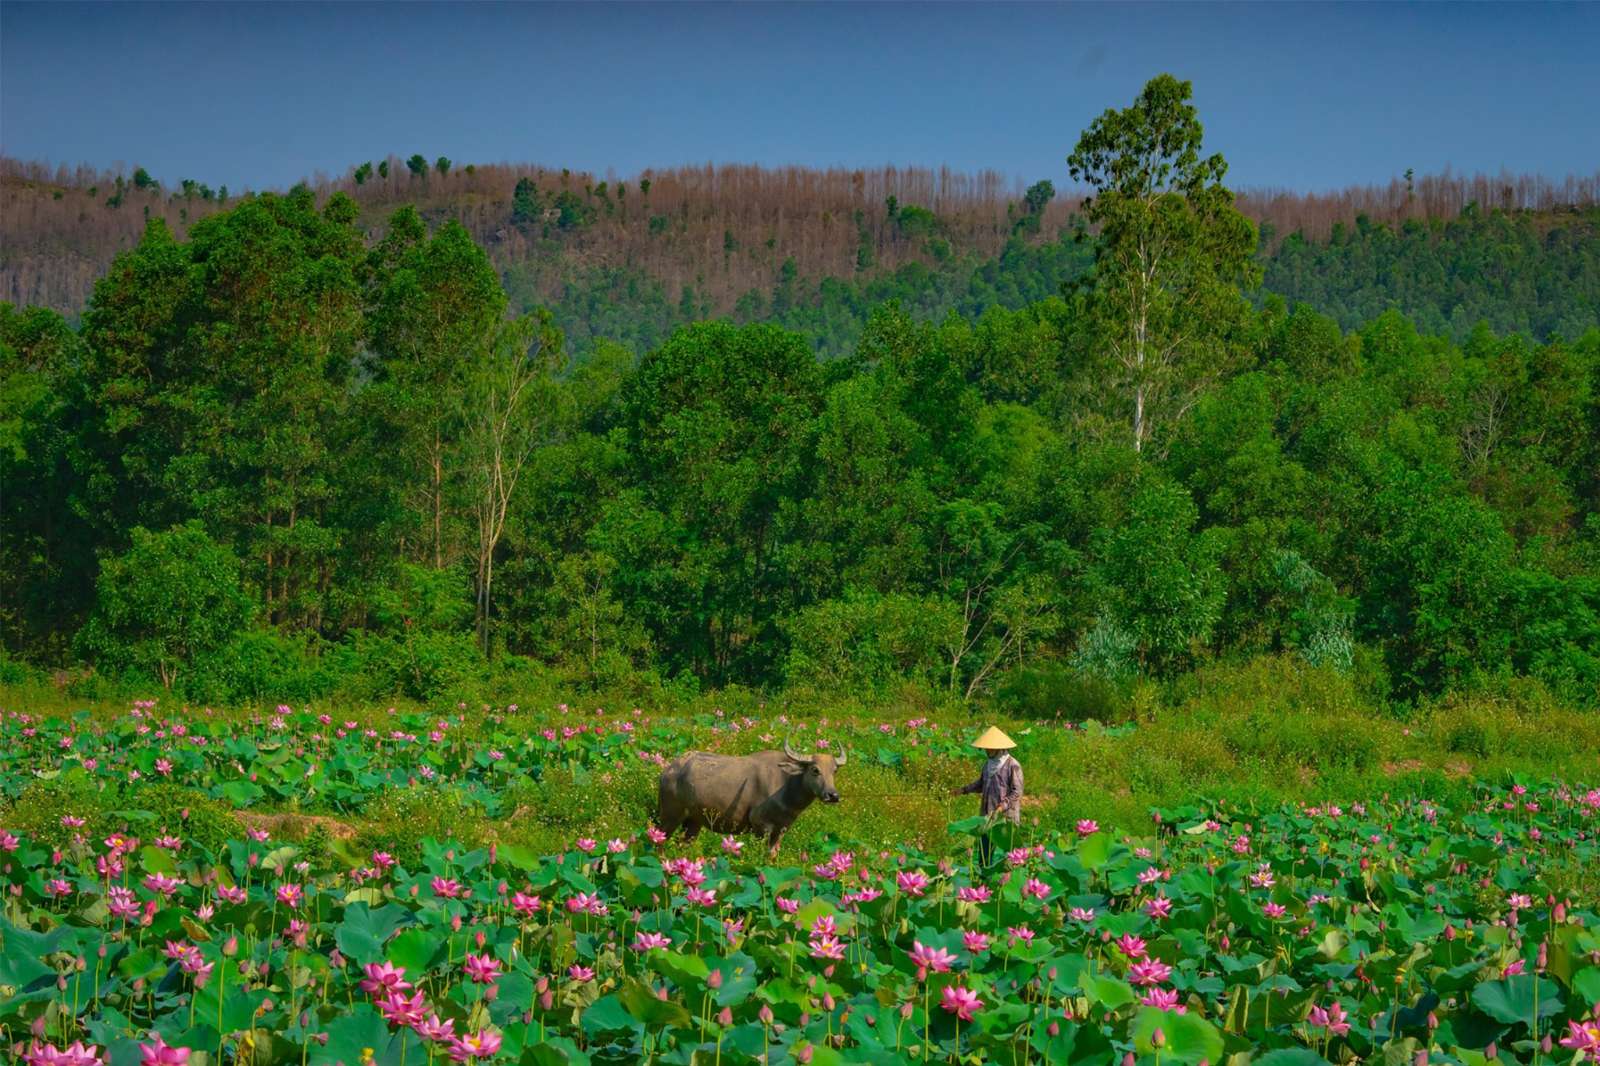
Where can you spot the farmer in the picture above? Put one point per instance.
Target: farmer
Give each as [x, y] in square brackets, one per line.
[1000, 785]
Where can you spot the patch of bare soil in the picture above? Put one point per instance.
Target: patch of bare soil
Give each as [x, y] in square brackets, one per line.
[295, 826]
[1404, 766]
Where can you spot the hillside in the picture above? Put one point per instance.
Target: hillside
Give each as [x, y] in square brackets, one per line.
[631, 259]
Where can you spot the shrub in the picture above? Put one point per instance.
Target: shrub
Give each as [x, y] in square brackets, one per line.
[1055, 690]
[172, 597]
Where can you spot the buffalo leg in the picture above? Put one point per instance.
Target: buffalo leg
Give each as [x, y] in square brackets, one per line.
[774, 838]
[691, 829]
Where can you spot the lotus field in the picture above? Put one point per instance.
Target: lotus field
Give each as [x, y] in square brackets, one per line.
[1368, 928]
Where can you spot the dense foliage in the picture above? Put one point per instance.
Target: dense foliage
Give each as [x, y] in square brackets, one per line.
[142, 922]
[357, 439]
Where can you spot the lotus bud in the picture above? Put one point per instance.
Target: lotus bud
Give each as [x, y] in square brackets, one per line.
[491, 993]
[1545, 1044]
[455, 924]
[765, 1014]
[725, 1016]
[805, 1018]
[38, 1027]
[543, 985]
[803, 1054]
[1158, 1039]
[714, 979]
[1560, 914]
[1129, 1060]
[547, 1000]
[1449, 932]
[827, 1002]
[1492, 1051]
[828, 970]
[661, 993]
[1054, 1028]
[479, 937]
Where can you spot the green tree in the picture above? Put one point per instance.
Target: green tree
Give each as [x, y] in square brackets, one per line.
[435, 312]
[442, 165]
[143, 180]
[172, 597]
[362, 173]
[383, 168]
[215, 370]
[418, 165]
[1160, 577]
[511, 409]
[1171, 253]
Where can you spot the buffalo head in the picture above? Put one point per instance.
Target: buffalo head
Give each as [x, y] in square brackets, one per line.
[817, 772]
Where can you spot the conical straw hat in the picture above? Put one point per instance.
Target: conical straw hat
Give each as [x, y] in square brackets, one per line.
[993, 738]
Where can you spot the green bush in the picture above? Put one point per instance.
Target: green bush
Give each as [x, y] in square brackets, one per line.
[264, 665]
[171, 598]
[1056, 690]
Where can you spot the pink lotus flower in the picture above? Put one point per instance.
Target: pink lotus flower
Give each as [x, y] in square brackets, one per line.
[166, 886]
[936, 959]
[1017, 857]
[446, 887]
[400, 1011]
[977, 943]
[1583, 1037]
[1159, 907]
[651, 941]
[1163, 999]
[911, 882]
[1021, 934]
[1131, 946]
[1332, 1018]
[1087, 827]
[159, 1053]
[701, 897]
[232, 894]
[1149, 972]
[973, 894]
[290, 895]
[1081, 914]
[616, 845]
[524, 904]
[78, 1054]
[1036, 888]
[8, 841]
[732, 846]
[1274, 910]
[1514, 969]
[482, 969]
[960, 1001]
[484, 1045]
[57, 887]
[655, 835]
[826, 947]
[786, 905]
[586, 844]
[384, 977]
[580, 973]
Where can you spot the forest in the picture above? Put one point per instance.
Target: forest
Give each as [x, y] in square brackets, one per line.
[290, 449]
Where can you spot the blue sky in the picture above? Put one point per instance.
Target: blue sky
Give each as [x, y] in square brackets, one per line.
[1305, 96]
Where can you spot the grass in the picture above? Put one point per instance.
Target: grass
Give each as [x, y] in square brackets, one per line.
[1246, 736]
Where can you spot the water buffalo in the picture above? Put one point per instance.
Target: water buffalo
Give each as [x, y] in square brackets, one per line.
[760, 793]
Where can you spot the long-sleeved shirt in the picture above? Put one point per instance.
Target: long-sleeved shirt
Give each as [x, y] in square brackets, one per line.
[1001, 787]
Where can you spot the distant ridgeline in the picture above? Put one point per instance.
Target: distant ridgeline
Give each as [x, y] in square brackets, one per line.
[815, 250]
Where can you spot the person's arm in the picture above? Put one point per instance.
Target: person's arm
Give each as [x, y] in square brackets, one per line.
[1014, 787]
[967, 790]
